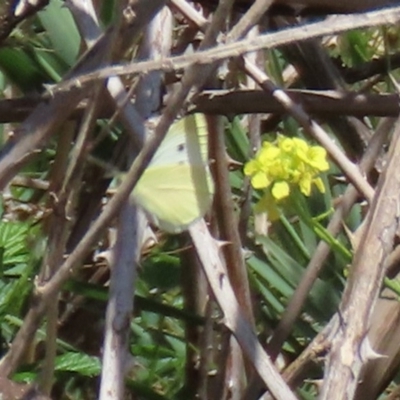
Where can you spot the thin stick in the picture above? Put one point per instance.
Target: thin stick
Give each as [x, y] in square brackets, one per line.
[208, 251]
[350, 345]
[335, 25]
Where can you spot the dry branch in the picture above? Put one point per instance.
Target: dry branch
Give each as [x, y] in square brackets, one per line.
[321, 103]
[334, 25]
[320, 6]
[234, 318]
[350, 345]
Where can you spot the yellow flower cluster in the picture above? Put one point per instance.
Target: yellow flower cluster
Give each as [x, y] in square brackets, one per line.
[286, 162]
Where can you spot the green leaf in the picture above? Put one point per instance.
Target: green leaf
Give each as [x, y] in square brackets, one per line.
[62, 30]
[21, 69]
[78, 362]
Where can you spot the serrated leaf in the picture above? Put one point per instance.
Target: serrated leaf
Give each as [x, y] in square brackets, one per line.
[78, 362]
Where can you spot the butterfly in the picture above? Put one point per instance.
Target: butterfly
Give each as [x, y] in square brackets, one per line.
[177, 189]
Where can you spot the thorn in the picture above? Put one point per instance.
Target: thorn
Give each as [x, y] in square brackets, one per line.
[367, 353]
[351, 236]
[49, 87]
[246, 253]
[221, 243]
[106, 256]
[232, 164]
[354, 237]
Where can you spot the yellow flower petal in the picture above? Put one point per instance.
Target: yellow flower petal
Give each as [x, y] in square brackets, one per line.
[319, 184]
[285, 144]
[260, 180]
[251, 167]
[268, 154]
[317, 158]
[280, 190]
[301, 147]
[305, 185]
[287, 161]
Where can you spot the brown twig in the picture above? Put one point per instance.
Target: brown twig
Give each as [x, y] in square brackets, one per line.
[336, 25]
[248, 20]
[350, 345]
[56, 230]
[317, 6]
[131, 227]
[225, 207]
[14, 12]
[319, 103]
[208, 251]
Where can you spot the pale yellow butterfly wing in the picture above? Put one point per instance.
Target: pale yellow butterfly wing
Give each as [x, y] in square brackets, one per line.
[177, 189]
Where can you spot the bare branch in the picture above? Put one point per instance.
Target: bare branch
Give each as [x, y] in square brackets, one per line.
[208, 251]
[13, 12]
[346, 357]
[336, 25]
[321, 103]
